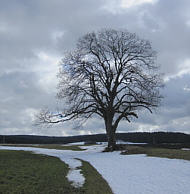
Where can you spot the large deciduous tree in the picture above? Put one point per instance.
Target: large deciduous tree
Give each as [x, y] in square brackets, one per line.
[111, 73]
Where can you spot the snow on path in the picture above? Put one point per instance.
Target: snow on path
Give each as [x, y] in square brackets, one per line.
[143, 175]
[129, 174]
[74, 174]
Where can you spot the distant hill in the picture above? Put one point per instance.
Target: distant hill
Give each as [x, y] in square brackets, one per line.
[137, 137]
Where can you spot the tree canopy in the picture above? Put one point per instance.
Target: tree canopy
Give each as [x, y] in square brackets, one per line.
[110, 73]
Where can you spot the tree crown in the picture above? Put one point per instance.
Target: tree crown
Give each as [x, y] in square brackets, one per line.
[110, 73]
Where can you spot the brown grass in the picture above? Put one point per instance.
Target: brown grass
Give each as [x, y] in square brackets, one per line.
[157, 152]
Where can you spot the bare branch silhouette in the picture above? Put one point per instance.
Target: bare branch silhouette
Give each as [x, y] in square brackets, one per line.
[110, 73]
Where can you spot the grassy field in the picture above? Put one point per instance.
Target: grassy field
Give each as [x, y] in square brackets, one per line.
[25, 172]
[158, 151]
[48, 146]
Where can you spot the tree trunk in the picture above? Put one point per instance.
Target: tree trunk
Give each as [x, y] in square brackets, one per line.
[110, 132]
[111, 140]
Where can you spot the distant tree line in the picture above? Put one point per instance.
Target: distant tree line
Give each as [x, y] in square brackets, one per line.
[137, 137]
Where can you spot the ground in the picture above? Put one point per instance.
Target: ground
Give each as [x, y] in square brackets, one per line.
[136, 173]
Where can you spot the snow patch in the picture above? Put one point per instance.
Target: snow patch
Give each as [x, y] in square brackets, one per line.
[73, 163]
[186, 149]
[74, 176]
[75, 143]
[126, 173]
[127, 142]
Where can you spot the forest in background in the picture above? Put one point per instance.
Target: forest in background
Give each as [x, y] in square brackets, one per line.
[136, 137]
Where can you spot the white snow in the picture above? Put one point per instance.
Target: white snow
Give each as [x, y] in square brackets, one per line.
[140, 174]
[127, 142]
[129, 174]
[186, 149]
[75, 143]
[75, 177]
[120, 142]
[74, 174]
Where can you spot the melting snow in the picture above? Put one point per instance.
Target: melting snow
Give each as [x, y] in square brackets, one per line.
[75, 177]
[127, 142]
[126, 173]
[75, 143]
[74, 174]
[186, 149]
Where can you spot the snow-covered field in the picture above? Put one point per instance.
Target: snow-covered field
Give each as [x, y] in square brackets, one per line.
[126, 174]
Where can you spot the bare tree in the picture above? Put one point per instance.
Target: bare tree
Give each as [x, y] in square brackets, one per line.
[110, 73]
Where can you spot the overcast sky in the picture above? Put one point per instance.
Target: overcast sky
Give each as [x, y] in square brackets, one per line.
[35, 34]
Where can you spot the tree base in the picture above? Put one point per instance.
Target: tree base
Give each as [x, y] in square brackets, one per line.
[117, 147]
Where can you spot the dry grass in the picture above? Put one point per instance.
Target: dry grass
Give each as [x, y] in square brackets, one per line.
[48, 146]
[157, 152]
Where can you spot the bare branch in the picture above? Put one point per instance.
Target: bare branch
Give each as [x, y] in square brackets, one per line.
[112, 74]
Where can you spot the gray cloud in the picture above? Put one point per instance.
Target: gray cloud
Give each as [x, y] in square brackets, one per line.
[35, 34]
